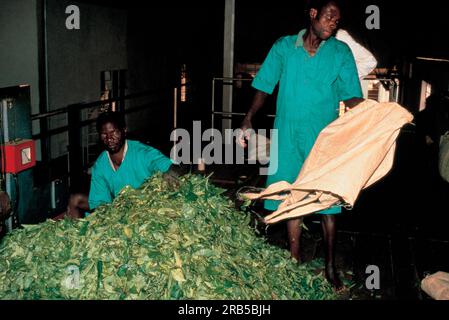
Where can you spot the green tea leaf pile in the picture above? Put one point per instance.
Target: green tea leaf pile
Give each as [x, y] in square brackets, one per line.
[155, 242]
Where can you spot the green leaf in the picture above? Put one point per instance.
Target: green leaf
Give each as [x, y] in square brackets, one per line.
[83, 228]
[155, 242]
[178, 275]
[122, 270]
[99, 274]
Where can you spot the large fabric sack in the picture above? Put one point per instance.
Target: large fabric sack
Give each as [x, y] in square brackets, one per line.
[350, 154]
[436, 285]
[259, 148]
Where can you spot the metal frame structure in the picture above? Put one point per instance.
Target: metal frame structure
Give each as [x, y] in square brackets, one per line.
[226, 81]
[75, 124]
[393, 84]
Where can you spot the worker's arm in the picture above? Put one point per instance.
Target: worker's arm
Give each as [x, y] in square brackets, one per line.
[349, 89]
[265, 81]
[173, 174]
[100, 192]
[156, 161]
[5, 206]
[257, 103]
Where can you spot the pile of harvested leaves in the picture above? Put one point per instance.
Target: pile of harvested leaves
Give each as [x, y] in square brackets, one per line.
[154, 243]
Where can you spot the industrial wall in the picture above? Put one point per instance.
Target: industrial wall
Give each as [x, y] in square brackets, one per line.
[62, 67]
[19, 46]
[161, 39]
[77, 57]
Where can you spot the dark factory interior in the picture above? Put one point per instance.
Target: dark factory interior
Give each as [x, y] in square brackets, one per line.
[176, 65]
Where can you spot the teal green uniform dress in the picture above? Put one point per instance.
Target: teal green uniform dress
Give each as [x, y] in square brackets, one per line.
[310, 89]
[140, 162]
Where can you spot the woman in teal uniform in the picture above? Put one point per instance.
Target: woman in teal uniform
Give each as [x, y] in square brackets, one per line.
[315, 72]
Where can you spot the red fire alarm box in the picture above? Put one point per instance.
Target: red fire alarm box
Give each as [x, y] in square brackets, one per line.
[18, 155]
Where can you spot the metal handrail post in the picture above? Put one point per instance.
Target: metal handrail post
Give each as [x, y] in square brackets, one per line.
[175, 113]
[74, 147]
[213, 103]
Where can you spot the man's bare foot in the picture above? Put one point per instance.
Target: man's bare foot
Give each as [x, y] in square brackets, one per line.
[333, 278]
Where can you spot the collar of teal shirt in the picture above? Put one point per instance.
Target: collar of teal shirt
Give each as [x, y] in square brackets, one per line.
[300, 40]
[124, 154]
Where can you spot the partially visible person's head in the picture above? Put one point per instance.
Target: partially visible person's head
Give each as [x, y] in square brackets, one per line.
[242, 75]
[111, 128]
[324, 17]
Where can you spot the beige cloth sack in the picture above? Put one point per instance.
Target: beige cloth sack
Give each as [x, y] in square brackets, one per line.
[436, 285]
[259, 148]
[349, 155]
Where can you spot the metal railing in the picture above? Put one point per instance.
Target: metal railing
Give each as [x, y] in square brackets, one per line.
[392, 83]
[75, 123]
[226, 81]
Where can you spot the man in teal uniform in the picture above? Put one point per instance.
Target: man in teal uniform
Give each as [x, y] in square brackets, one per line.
[124, 162]
[314, 71]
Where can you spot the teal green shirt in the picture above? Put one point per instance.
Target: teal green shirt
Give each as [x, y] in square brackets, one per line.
[309, 87]
[140, 162]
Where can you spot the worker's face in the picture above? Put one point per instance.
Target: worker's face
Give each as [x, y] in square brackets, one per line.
[112, 137]
[325, 24]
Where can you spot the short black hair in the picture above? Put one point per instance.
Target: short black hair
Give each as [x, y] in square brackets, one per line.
[319, 5]
[116, 118]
